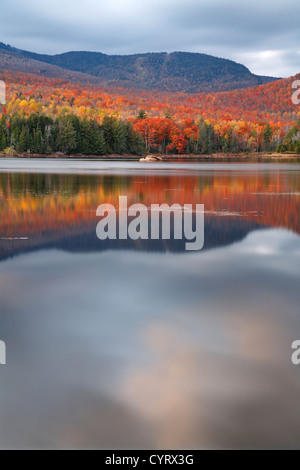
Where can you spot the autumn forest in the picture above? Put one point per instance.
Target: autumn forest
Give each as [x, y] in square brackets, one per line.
[47, 115]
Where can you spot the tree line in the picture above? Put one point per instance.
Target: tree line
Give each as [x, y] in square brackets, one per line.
[292, 140]
[69, 134]
[165, 135]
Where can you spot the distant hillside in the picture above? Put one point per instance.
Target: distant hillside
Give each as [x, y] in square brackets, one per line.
[175, 72]
[17, 62]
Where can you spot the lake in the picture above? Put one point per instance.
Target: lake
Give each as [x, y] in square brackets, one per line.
[123, 344]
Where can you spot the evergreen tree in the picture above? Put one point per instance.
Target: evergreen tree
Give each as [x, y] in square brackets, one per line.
[108, 129]
[37, 144]
[142, 114]
[66, 140]
[119, 137]
[205, 142]
[22, 145]
[99, 144]
[86, 137]
[268, 133]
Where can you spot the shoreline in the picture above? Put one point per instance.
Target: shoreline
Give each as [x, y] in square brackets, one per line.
[184, 157]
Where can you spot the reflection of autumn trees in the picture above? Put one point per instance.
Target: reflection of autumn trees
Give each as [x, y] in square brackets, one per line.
[36, 204]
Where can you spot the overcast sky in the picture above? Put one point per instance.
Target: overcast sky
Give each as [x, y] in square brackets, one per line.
[262, 34]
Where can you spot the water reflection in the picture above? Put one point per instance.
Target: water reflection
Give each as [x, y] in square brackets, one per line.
[130, 349]
[126, 350]
[39, 210]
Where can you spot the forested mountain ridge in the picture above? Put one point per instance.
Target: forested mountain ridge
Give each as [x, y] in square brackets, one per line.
[15, 62]
[49, 107]
[175, 72]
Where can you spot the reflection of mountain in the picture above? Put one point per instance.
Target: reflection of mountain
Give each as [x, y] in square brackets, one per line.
[217, 234]
[59, 210]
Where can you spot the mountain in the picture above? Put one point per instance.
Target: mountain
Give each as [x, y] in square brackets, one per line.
[16, 62]
[175, 72]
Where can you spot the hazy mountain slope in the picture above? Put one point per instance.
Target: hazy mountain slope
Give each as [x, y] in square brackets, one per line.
[178, 71]
[14, 61]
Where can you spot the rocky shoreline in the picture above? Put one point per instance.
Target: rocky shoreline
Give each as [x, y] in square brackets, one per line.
[190, 157]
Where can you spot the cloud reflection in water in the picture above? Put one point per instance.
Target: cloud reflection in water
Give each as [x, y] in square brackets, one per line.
[129, 349]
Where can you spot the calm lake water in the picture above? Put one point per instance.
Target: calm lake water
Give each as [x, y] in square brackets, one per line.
[123, 344]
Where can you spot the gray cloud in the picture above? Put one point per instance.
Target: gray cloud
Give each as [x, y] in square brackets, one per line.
[265, 36]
